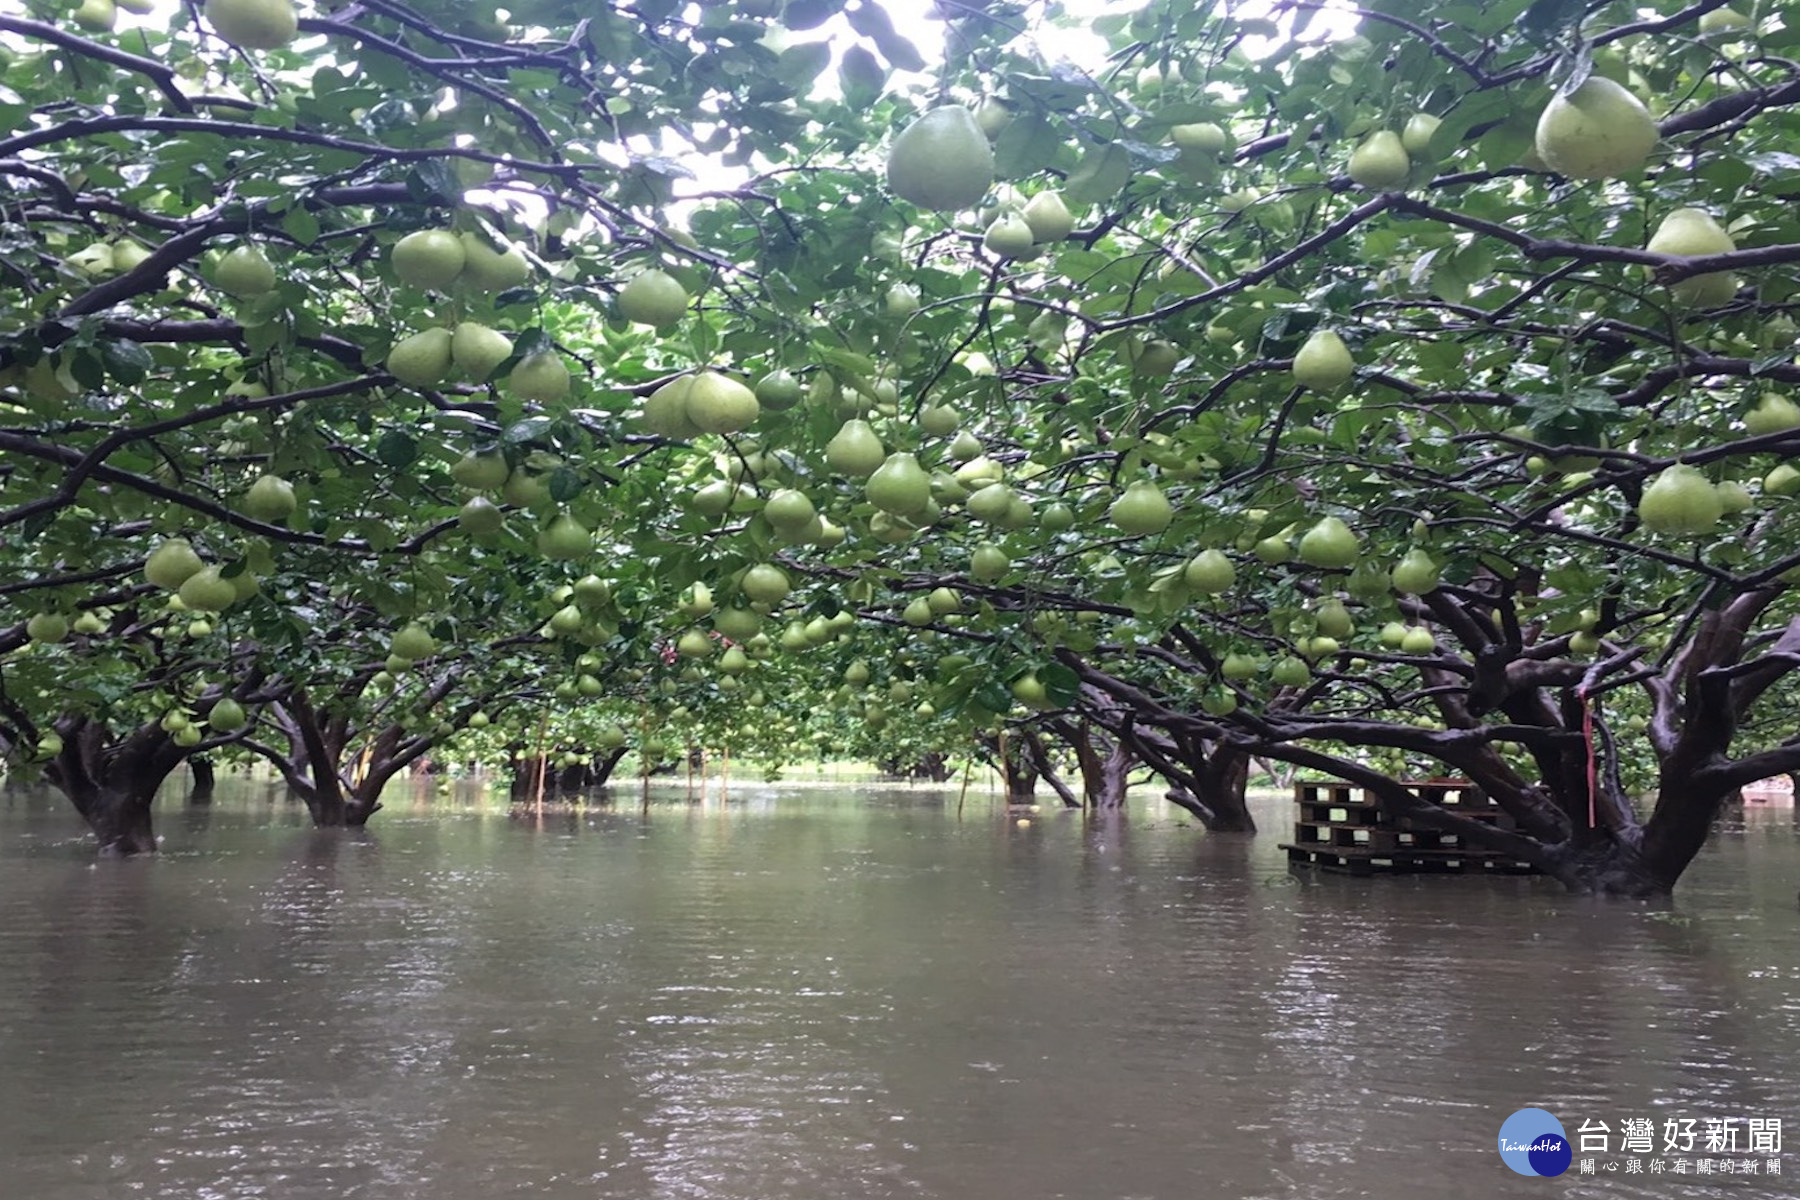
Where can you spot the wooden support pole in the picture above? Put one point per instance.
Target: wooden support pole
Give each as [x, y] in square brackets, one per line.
[543, 760]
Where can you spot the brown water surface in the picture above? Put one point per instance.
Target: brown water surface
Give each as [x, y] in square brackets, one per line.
[805, 995]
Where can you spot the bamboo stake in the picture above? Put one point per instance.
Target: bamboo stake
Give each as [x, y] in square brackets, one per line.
[968, 771]
[644, 759]
[543, 762]
[725, 776]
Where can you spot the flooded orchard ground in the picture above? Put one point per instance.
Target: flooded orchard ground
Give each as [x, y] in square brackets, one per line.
[805, 995]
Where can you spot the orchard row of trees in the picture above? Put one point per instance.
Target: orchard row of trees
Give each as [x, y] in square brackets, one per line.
[1376, 389]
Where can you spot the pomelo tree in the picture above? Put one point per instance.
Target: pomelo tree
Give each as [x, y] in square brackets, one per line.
[1153, 364]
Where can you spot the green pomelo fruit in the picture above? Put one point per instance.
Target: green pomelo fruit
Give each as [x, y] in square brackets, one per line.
[481, 470]
[1598, 131]
[245, 271]
[1418, 640]
[227, 716]
[1143, 509]
[654, 298]
[428, 258]
[1333, 619]
[989, 562]
[765, 584]
[991, 504]
[172, 564]
[413, 643]
[900, 486]
[717, 403]
[1415, 138]
[1680, 502]
[1416, 573]
[1210, 573]
[477, 350]
[1008, 236]
[542, 378]
[779, 390]
[254, 24]
[1379, 162]
[48, 628]
[1774, 413]
[942, 161]
[855, 450]
[565, 538]
[790, 511]
[270, 499]
[1329, 545]
[480, 517]
[489, 270]
[665, 411]
[1692, 232]
[422, 359]
[738, 624]
[1323, 362]
[207, 591]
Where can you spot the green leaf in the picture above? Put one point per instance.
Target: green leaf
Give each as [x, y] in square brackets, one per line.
[89, 369]
[433, 182]
[565, 484]
[992, 696]
[1025, 146]
[1061, 683]
[126, 361]
[1546, 19]
[797, 66]
[861, 76]
[532, 341]
[301, 225]
[1103, 171]
[396, 449]
[530, 429]
[1579, 418]
[870, 20]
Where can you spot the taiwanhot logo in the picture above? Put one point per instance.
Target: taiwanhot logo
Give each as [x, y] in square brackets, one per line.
[1532, 1142]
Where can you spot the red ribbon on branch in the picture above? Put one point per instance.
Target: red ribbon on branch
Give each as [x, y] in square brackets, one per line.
[1593, 765]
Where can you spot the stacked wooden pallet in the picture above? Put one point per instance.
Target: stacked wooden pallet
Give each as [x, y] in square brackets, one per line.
[1340, 827]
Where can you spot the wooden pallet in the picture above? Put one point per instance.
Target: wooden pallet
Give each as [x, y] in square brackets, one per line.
[1341, 828]
[1353, 860]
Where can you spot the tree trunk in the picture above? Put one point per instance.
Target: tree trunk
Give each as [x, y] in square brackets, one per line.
[1017, 769]
[326, 804]
[1087, 759]
[362, 804]
[120, 818]
[112, 782]
[526, 770]
[1607, 868]
[1114, 777]
[1221, 781]
[1208, 778]
[1046, 770]
[603, 767]
[1686, 808]
[201, 769]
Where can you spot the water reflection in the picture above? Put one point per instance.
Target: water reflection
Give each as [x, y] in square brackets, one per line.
[803, 995]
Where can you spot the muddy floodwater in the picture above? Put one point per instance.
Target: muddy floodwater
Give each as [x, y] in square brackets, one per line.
[832, 995]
